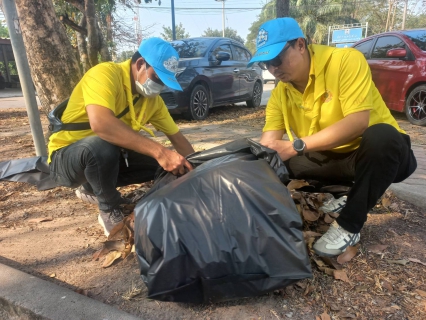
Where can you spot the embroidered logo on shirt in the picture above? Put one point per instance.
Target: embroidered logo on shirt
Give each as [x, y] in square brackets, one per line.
[171, 64]
[327, 97]
[262, 37]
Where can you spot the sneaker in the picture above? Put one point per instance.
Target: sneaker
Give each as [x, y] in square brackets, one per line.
[85, 195]
[108, 219]
[335, 241]
[334, 205]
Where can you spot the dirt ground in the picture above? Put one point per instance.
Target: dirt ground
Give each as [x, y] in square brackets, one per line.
[383, 282]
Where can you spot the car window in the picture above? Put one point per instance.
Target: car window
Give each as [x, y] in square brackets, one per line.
[241, 54]
[223, 47]
[365, 47]
[384, 44]
[192, 48]
[418, 37]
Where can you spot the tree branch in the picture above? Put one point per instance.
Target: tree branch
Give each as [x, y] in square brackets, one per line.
[72, 24]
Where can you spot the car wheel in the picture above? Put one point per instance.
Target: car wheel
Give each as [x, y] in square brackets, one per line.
[256, 97]
[200, 103]
[415, 106]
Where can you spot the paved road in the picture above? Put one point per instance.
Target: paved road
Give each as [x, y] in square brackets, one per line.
[12, 97]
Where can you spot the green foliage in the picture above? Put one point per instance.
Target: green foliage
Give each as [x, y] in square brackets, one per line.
[229, 33]
[125, 55]
[167, 33]
[413, 22]
[4, 32]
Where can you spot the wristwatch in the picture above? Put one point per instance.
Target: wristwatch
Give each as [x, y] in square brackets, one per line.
[299, 145]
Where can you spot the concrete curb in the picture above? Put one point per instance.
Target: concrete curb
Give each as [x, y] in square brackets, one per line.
[23, 296]
[407, 193]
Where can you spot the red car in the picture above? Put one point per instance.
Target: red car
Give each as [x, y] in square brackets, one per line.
[397, 61]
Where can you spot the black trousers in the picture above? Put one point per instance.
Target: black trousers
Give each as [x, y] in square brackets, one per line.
[383, 157]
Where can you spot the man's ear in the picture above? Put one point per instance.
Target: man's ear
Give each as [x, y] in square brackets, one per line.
[139, 63]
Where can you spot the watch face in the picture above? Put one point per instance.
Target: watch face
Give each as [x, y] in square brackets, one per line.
[298, 145]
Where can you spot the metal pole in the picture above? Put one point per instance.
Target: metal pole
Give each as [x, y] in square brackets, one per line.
[9, 10]
[404, 15]
[328, 38]
[173, 20]
[223, 18]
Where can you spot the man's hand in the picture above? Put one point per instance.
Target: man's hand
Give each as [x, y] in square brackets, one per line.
[173, 162]
[284, 148]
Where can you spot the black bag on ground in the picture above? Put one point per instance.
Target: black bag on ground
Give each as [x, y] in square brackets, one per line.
[228, 229]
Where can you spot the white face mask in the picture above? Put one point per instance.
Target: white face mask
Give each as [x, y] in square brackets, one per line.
[150, 88]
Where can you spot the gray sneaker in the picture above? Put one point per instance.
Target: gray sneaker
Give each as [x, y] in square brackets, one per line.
[109, 219]
[335, 241]
[334, 205]
[85, 195]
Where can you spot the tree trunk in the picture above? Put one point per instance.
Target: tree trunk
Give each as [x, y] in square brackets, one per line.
[82, 48]
[54, 67]
[92, 32]
[282, 8]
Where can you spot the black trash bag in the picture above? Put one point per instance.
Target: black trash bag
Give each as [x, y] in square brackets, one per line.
[34, 170]
[226, 230]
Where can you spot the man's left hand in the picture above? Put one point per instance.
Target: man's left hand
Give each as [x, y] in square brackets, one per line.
[284, 148]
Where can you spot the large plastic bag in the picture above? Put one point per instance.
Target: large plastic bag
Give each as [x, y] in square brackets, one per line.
[228, 229]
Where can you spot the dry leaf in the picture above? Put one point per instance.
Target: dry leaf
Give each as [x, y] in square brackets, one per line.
[325, 316]
[401, 262]
[38, 220]
[417, 261]
[328, 271]
[346, 256]
[331, 263]
[7, 195]
[387, 285]
[110, 258]
[328, 218]
[297, 184]
[421, 292]
[377, 248]
[308, 290]
[296, 195]
[386, 202]
[52, 275]
[319, 263]
[341, 275]
[309, 234]
[343, 314]
[116, 231]
[310, 215]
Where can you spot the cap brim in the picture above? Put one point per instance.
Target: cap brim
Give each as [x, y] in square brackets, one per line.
[168, 80]
[267, 53]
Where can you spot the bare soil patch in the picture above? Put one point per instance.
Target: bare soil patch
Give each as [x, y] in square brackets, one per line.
[383, 282]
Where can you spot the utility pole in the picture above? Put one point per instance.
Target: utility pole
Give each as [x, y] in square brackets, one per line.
[405, 14]
[223, 16]
[9, 10]
[173, 21]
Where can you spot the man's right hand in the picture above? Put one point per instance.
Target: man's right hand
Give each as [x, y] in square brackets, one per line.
[173, 162]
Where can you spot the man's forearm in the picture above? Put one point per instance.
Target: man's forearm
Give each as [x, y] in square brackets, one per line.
[181, 144]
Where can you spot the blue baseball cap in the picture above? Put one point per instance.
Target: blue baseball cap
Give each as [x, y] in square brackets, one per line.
[163, 58]
[272, 37]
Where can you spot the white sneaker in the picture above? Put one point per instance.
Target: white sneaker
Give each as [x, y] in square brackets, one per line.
[109, 219]
[335, 241]
[334, 205]
[85, 195]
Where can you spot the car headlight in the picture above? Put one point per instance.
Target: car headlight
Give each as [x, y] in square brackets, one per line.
[179, 71]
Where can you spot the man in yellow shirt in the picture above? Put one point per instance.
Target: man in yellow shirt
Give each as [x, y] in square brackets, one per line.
[116, 101]
[344, 132]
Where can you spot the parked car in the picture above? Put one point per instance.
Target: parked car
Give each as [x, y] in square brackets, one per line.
[212, 72]
[267, 76]
[397, 61]
[2, 81]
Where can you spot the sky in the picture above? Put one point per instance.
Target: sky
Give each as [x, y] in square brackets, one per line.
[198, 15]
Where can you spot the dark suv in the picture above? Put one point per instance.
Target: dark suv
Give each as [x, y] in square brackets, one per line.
[212, 72]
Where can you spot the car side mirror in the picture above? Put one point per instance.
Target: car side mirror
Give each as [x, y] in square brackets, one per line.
[396, 53]
[222, 56]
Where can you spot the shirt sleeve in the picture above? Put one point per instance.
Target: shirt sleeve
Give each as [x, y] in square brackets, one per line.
[274, 117]
[355, 83]
[100, 86]
[162, 120]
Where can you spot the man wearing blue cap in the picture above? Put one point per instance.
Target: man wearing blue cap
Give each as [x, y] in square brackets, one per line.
[118, 100]
[344, 132]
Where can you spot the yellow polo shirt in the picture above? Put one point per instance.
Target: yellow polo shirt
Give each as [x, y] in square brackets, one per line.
[108, 85]
[339, 84]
